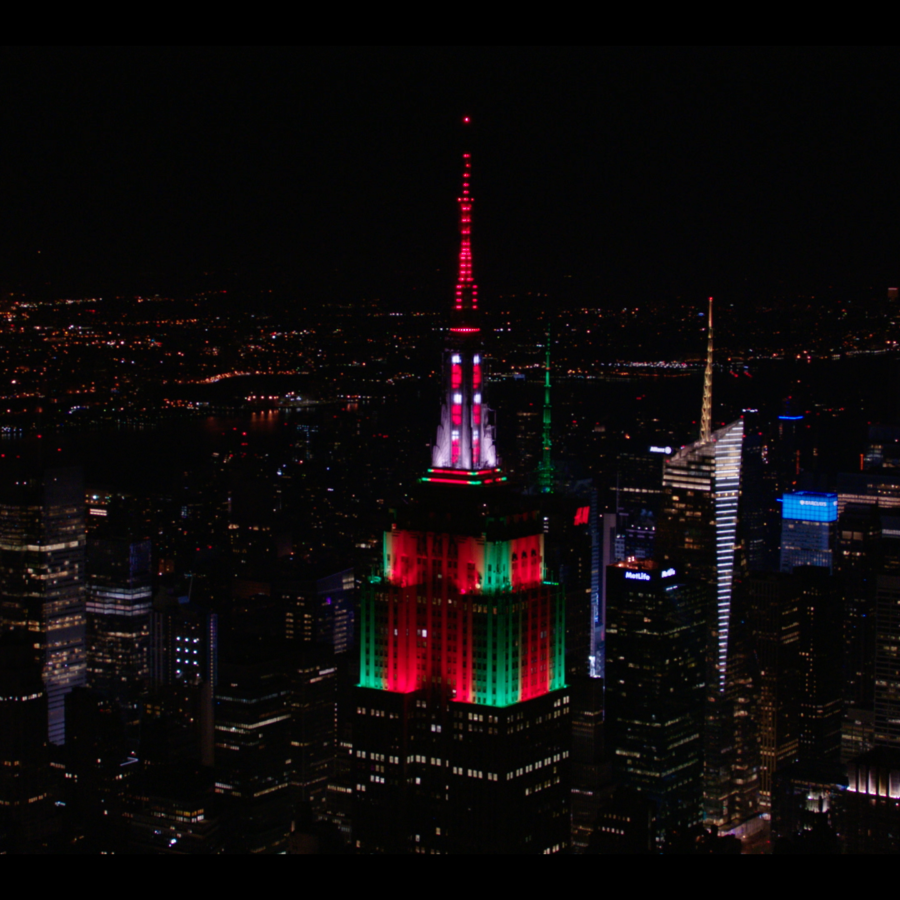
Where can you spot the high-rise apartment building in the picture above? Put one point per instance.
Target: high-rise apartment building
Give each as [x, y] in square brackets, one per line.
[462, 711]
[42, 577]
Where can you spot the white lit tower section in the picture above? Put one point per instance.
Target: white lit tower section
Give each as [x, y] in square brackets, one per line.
[698, 526]
[464, 451]
[702, 484]
[726, 489]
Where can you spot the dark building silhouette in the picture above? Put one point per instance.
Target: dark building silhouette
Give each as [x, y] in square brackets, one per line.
[774, 623]
[26, 796]
[253, 752]
[820, 707]
[655, 689]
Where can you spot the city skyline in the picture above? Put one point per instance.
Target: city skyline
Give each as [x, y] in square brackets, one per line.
[327, 529]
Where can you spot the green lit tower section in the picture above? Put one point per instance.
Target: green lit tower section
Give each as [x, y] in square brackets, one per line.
[459, 739]
[545, 471]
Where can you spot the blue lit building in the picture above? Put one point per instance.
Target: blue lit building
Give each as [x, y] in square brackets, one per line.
[807, 529]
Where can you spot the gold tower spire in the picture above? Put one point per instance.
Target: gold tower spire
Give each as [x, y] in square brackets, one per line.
[706, 414]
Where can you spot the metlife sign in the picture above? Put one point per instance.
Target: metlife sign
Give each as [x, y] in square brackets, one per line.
[638, 576]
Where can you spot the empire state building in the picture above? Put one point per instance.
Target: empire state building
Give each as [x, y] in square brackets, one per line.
[462, 711]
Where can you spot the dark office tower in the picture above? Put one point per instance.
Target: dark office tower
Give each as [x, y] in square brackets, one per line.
[808, 530]
[42, 577]
[590, 768]
[119, 599]
[655, 665]
[870, 821]
[572, 551]
[638, 485]
[25, 799]
[462, 713]
[820, 709]
[253, 754]
[697, 533]
[857, 554]
[312, 700]
[786, 449]
[882, 448]
[177, 813]
[184, 643]
[184, 652]
[605, 557]
[880, 489]
[760, 514]
[887, 662]
[774, 621]
[317, 607]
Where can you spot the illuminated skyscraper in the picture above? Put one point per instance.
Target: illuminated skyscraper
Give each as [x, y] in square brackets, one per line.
[697, 532]
[42, 577]
[118, 617]
[462, 712]
[807, 529]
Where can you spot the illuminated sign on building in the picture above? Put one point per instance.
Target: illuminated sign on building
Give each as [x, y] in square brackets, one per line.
[661, 450]
[810, 507]
[667, 573]
[638, 576]
[581, 515]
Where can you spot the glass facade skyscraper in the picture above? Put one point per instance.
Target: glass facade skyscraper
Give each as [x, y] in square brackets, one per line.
[697, 533]
[807, 530]
[655, 661]
[42, 542]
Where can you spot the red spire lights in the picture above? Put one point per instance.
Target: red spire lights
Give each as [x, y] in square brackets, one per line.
[466, 290]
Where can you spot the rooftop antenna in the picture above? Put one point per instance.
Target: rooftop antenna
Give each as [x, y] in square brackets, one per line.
[545, 467]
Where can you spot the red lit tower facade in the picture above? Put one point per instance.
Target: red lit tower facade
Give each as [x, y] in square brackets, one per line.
[462, 713]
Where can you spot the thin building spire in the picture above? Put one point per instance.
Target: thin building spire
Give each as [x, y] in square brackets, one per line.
[545, 468]
[706, 414]
[465, 305]
[464, 451]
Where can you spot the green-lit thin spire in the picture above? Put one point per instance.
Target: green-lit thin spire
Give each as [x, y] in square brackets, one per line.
[545, 470]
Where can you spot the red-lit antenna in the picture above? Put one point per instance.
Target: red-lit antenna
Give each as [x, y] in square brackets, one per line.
[466, 299]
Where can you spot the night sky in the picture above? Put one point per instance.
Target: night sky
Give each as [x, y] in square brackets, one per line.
[334, 172]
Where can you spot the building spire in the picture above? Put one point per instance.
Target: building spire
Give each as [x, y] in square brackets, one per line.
[706, 413]
[545, 467]
[465, 305]
[464, 451]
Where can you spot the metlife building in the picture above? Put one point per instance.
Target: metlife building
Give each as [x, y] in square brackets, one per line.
[655, 664]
